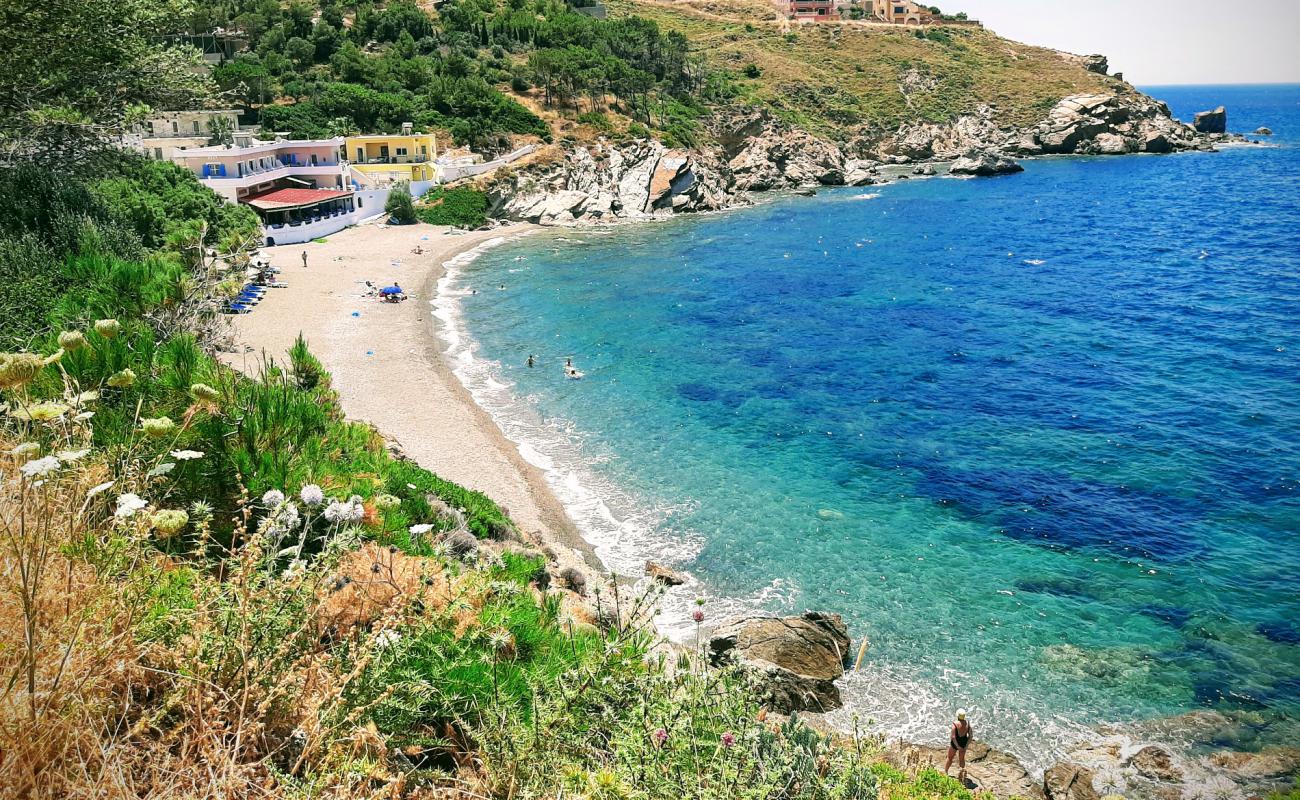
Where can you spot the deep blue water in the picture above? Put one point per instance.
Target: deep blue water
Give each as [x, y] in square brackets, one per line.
[1037, 437]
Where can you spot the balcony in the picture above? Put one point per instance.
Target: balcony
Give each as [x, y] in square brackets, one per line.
[279, 169]
[415, 159]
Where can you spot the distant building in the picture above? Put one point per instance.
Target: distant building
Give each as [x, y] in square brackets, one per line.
[172, 131]
[813, 10]
[299, 187]
[899, 12]
[382, 159]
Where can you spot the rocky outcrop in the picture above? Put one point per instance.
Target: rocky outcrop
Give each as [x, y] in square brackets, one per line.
[1096, 63]
[1155, 763]
[943, 141]
[794, 660]
[1107, 123]
[1215, 121]
[661, 574]
[1069, 782]
[764, 153]
[986, 163]
[1269, 763]
[990, 770]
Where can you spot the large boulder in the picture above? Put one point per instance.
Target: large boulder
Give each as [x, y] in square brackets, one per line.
[795, 659]
[1215, 121]
[1156, 763]
[985, 163]
[1262, 131]
[1069, 782]
[1111, 144]
[1096, 63]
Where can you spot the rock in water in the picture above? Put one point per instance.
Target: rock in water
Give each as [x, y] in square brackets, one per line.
[662, 574]
[795, 659]
[1269, 763]
[1069, 782]
[1262, 131]
[1215, 121]
[1155, 763]
[985, 163]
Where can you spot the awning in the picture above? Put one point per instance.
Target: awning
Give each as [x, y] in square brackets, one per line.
[281, 199]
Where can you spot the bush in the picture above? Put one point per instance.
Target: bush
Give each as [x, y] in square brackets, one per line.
[752, 71]
[459, 207]
[400, 205]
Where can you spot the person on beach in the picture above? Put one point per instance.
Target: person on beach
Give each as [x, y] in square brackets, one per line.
[958, 738]
[304, 259]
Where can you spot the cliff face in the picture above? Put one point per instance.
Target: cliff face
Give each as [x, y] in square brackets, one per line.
[753, 151]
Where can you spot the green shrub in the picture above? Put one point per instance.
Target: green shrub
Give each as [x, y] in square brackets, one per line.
[461, 207]
[400, 205]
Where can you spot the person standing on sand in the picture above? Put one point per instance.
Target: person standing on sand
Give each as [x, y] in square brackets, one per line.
[304, 259]
[958, 738]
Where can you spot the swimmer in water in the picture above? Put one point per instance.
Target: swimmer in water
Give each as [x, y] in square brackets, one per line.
[958, 738]
[530, 360]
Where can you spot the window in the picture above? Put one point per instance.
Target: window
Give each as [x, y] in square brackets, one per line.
[401, 151]
[361, 155]
[157, 153]
[197, 128]
[176, 127]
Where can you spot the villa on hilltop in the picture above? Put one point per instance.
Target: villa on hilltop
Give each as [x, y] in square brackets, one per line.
[889, 12]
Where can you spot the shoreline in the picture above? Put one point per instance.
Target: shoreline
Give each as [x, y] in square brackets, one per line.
[388, 366]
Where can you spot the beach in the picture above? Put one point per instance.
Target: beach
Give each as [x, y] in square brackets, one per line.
[387, 364]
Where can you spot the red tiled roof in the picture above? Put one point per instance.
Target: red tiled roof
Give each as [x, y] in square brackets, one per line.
[292, 198]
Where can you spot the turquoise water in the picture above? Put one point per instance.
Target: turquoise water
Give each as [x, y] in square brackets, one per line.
[1037, 437]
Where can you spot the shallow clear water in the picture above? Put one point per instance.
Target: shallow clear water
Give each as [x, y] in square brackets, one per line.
[1037, 437]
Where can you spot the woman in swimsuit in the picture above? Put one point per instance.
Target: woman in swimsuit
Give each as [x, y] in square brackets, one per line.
[958, 737]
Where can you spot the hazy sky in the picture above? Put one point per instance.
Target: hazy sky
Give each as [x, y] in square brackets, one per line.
[1158, 41]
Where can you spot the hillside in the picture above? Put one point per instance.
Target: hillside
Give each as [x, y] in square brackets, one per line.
[832, 79]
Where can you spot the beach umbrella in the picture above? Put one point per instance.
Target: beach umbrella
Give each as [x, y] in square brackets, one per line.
[390, 290]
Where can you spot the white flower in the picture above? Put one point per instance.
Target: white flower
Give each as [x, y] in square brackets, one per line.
[41, 467]
[187, 455]
[336, 511]
[25, 449]
[273, 498]
[103, 487]
[387, 638]
[287, 518]
[128, 504]
[295, 568]
[69, 456]
[420, 530]
[311, 495]
[83, 416]
[356, 512]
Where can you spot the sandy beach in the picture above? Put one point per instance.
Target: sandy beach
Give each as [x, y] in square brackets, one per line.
[387, 364]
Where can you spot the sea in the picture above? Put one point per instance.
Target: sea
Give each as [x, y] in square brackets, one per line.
[1036, 437]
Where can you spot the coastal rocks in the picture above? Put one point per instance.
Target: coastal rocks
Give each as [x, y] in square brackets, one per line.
[795, 660]
[1069, 782]
[860, 172]
[993, 771]
[1155, 763]
[1268, 764]
[764, 153]
[924, 170]
[985, 163]
[1107, 123]
[1262, 131]
[944, 141]
[661, 574]
[1215, 121]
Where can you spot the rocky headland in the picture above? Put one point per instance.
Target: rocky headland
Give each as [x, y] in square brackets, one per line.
[751, 151]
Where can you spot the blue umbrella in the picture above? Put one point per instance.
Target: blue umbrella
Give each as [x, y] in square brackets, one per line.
[387, 290]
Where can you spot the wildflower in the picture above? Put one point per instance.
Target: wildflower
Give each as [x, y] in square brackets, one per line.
[41, 467]
[68, 456]
[18, 369]
[128, 504]
[108, 328]
[53, 358]
[698, 616]
[40, 412]
[157, 427]
[187, 455]
[337, 511]
[272, 498]
[286, 518]
[72, 340]
[169, 522]
[83, 416]
[25, 449]
[419, 530]
[295, 568]
[728, 739]
[387, 638]
[204, 392]
[311, 495]
[103, 487]
[387, 501]
[123, 379]
[660, 736]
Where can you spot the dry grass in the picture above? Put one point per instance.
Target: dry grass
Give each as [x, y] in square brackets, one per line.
[837, 79]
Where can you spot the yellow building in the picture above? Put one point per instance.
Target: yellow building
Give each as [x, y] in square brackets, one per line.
[381, 159]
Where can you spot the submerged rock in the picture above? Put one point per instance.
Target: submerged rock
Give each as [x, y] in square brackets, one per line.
[1269, 763]
[1262, 131]
[794, 659]
[1215, 121]
[985, 164]
[1156, 763]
